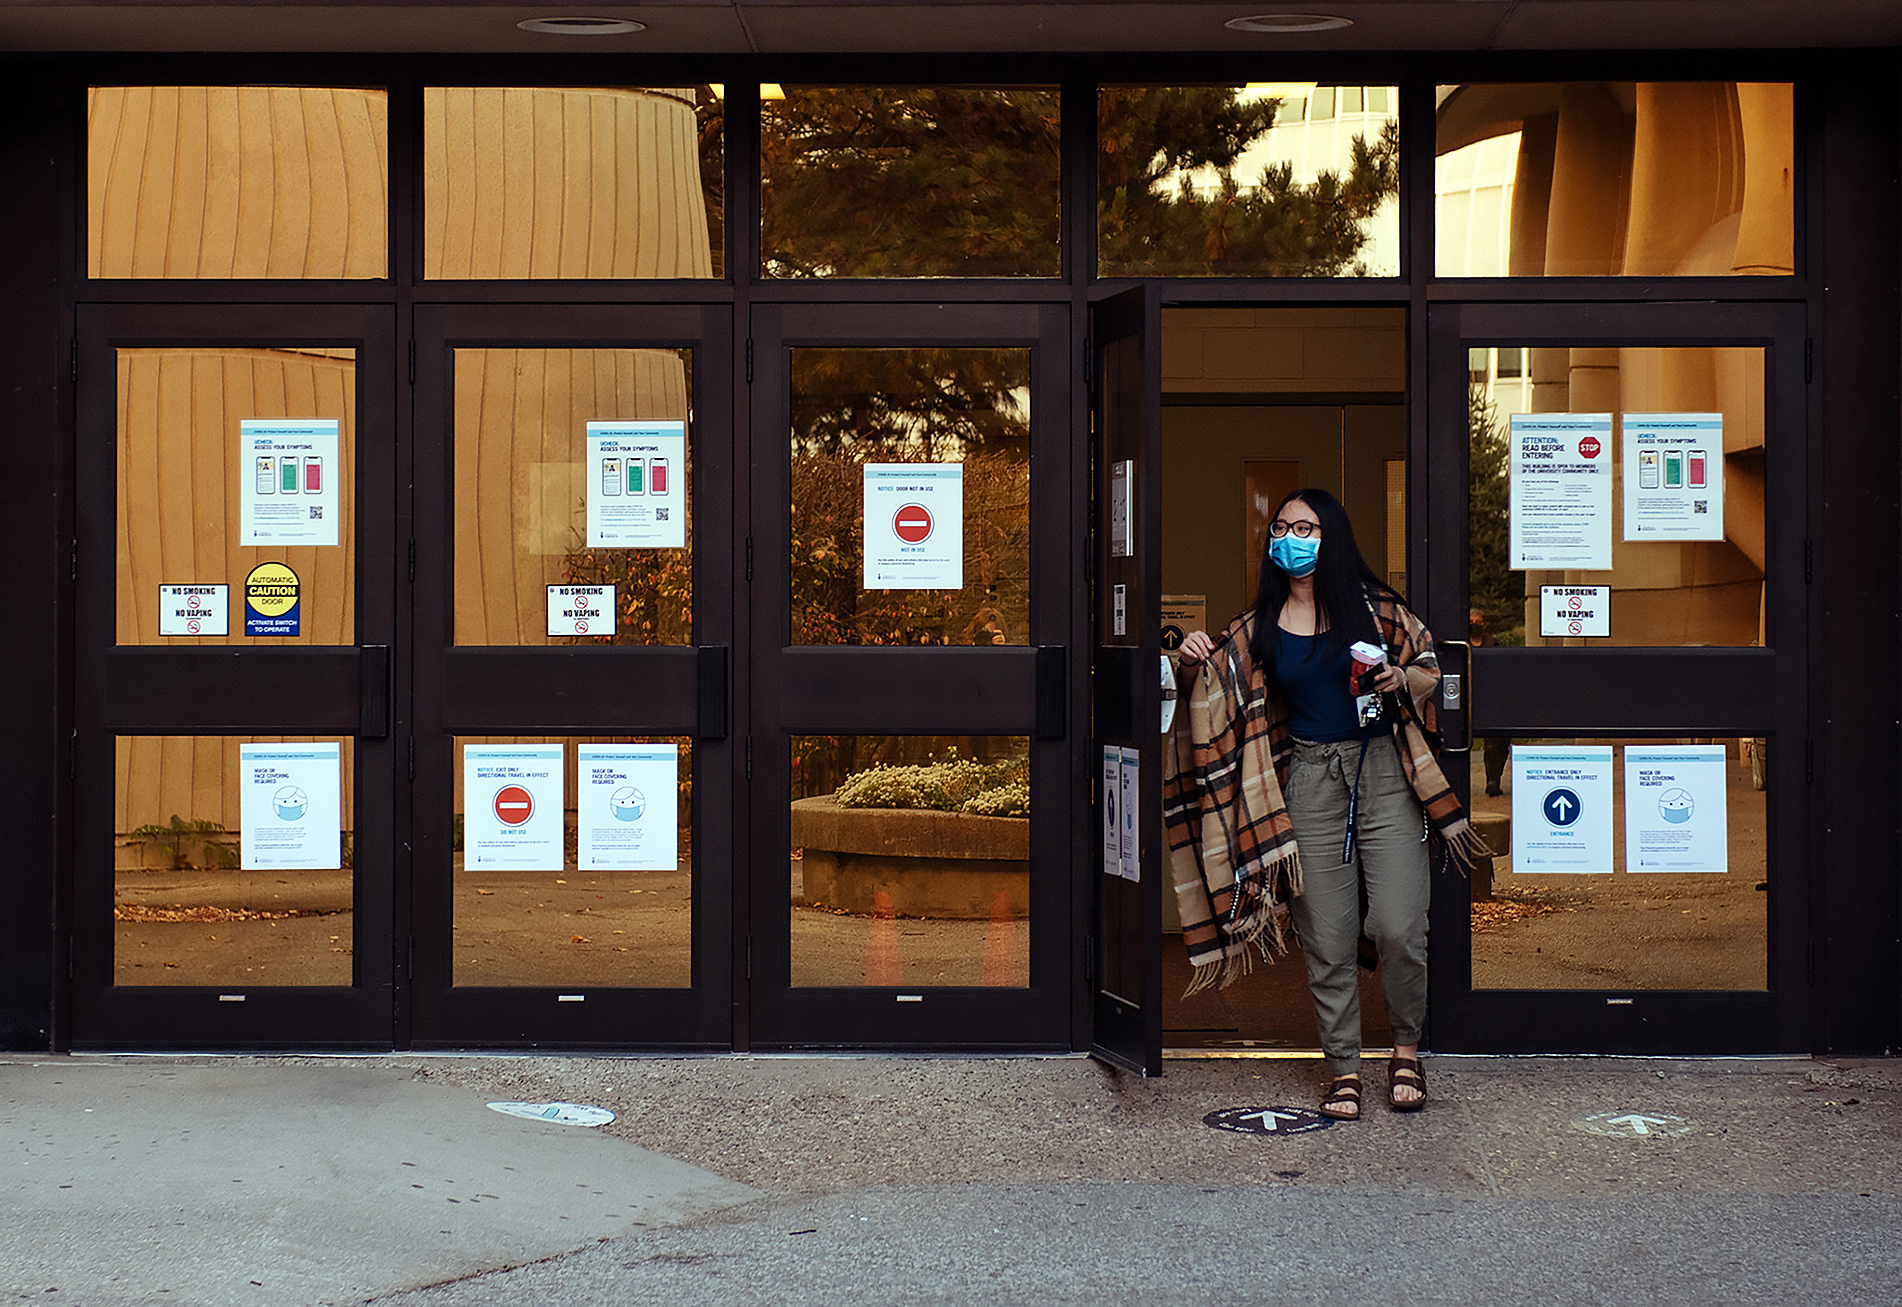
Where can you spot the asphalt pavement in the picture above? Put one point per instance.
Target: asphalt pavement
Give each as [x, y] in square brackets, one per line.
[783, 1179]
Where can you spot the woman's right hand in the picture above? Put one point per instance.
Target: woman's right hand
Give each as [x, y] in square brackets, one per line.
[1195, 648]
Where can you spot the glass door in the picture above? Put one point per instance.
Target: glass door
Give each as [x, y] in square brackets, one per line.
[1126, 553]
[1618, 512]
[910, 565]
[235, 774]
[574, 567]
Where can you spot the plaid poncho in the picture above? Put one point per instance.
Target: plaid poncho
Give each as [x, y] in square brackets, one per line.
[1232, 852]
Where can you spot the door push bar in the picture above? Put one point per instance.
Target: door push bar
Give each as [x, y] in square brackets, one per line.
[1456, 694]
[711, 679]
[373, 691]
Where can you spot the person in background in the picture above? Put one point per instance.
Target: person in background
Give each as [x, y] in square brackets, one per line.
[1307, 779]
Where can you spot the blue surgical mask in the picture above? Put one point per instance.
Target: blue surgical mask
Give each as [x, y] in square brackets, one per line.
[1294, 555]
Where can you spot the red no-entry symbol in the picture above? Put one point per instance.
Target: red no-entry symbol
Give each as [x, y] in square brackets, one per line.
[1589, 447]
[912, 524]
[513, 805]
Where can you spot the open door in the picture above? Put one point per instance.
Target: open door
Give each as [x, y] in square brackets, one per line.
[1126, 482]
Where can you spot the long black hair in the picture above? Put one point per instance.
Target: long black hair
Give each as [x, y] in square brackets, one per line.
[1342, 581]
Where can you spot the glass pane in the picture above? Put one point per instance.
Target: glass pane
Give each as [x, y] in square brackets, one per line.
[572, 496]
[1663, 524]
[910, 860]
[531, 182]
[237, 181]
[236, 478]
[1263, 180]
[209, 889]
[883, 436]
[1589, 888]
[951, 181]
[1615, 179]
[573, 861]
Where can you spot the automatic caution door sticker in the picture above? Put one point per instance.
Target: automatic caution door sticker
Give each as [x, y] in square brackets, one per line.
[512, 807]
[194, 610]
[271, 595]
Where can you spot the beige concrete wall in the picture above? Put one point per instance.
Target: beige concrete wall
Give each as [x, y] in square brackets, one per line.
[1282, 350]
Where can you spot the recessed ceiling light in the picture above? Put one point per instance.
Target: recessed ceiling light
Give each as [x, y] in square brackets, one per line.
[581, 26]
[1288, 23]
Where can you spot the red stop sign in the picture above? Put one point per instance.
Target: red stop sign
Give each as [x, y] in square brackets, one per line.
[912, 524]
[1589, 447]
[513, 805]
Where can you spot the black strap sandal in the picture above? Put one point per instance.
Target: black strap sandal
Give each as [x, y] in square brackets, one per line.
[1342, 1100]
[1408, 1072]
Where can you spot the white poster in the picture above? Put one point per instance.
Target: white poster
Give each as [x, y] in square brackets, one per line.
[1561, 490]
[1131, 805]
[581, 610]
[914, 526]
[194, 610]
[512, 807]
[1112, 810]
[627, 811]
[1182, 614]
[1574, 610]
[290, 806]
[287, 481]
[1675, 817]
[1561, 808]
[637, 485]
[1674, 476]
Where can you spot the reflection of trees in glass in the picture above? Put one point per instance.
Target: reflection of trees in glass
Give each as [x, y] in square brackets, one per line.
[1494, 588]
[910, 182]
[852, 407]
[1153, 221]
[709, 114]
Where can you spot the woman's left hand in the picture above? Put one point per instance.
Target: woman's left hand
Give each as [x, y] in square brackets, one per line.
[1390, 679]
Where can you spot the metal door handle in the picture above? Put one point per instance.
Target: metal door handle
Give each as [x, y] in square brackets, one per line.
[1456, 694]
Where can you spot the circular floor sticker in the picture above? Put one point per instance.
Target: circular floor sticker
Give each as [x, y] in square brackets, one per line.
[1632, 1125]
[559, 1113]
[1267, 1120]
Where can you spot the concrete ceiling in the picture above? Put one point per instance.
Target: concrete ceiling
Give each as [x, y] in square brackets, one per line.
[902, 26]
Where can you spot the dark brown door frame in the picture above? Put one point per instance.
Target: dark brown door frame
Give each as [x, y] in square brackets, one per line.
[952, 691]
[237, 689]
[1618, 692]
[608, 691]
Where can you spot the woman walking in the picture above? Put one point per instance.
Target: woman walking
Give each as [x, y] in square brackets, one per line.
[1305, 781]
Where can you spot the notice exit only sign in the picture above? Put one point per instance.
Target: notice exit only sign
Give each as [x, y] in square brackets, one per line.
[1574, 610]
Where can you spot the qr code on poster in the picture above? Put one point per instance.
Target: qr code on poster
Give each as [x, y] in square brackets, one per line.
[660, 515]
[316, 511]
[1700, 505]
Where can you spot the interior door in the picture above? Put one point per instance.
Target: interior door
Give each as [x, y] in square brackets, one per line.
[1126, 604]
[1621, 491]
[235, 776]
[573, 767]
[910, 774]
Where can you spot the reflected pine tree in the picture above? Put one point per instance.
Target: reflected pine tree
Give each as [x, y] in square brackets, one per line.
[1493, 588]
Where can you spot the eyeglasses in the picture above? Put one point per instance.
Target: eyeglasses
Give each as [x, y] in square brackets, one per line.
[1279, 528]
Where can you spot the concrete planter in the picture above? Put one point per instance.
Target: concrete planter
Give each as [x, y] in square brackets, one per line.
[931, 864]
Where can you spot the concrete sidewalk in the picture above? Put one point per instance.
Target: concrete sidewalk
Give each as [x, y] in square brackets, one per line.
[791, 1179]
